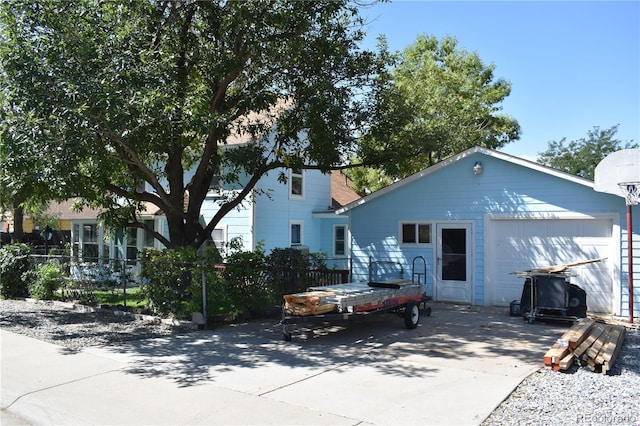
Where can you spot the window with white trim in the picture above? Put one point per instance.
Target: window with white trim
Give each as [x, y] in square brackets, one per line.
[296, 184]
[148, 240]
[415, 233]
[219, 238]
[88, 241]
[295, 233]
[339, 240]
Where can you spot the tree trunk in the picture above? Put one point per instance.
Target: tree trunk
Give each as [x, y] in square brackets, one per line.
[18, 223]
[184, 232]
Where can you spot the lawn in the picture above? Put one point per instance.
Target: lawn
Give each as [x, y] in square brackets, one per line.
[134, 297]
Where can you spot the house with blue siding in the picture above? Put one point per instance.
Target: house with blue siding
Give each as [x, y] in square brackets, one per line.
[481, 215]
[299, 214]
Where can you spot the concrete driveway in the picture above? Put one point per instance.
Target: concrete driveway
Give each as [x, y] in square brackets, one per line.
[455, 368]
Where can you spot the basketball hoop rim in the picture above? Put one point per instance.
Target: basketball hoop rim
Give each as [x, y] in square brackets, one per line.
[631, 191]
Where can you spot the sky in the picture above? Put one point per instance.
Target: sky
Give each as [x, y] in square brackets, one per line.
[572, 65]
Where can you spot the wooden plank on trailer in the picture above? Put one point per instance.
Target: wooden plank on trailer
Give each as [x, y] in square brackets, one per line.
[556, 269]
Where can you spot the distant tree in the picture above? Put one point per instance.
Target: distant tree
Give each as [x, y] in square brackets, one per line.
[580, 157]
[366, 180]
[436, 101]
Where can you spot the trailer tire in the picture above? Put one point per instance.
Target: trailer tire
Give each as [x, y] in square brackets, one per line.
[411, 315]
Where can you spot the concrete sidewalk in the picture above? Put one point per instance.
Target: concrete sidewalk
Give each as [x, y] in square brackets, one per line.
[455, 368]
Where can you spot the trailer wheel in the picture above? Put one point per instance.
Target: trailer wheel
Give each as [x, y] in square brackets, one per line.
[411, 315]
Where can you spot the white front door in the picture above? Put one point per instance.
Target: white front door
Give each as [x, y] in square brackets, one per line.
[454, 281]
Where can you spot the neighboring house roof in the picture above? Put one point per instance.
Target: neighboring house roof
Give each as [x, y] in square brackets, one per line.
[342, 192]
[265, 119]
[64, 210]
[475, 150]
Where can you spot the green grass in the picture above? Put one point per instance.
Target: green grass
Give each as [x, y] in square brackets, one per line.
[135, 297]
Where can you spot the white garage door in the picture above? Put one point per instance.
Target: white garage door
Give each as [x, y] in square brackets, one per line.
[526, 243]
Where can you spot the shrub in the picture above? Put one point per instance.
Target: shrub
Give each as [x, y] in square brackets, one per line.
[288, 270]
[46, 279]
[168, 278]
[246, 282]
[14, 263]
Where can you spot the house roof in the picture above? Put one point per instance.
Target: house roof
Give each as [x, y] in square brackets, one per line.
[342, 192]
[453, 159]
[64, 210]
[265, 118]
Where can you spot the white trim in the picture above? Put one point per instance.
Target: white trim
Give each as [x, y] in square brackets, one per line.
[475, 150]
[346, 240]
[296, 222]
[613, 260]
[471, 250]
[225, 229]
[100, 231]
[329, 214]
[302, 177]
[549, 215]
[417, 243]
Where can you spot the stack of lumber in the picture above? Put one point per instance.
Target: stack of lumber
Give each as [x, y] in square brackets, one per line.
[594, 345]
[308, 303]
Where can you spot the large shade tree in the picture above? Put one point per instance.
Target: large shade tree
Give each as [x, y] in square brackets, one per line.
[113, 95]
[435, 101]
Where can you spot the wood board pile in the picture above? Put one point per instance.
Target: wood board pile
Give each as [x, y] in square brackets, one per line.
[308, 303]
[593, 344]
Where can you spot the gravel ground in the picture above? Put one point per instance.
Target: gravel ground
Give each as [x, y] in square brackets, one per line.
[75, 329]
[577, 397]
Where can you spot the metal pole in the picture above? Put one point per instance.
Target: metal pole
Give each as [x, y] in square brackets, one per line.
[124, 283]
[630, 260]
[204, 294]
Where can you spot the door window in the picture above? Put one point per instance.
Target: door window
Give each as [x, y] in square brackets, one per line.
[454, 254]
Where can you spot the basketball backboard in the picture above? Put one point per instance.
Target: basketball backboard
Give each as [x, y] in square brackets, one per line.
[620, 167]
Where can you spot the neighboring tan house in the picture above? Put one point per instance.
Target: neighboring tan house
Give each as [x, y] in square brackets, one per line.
[86, 236]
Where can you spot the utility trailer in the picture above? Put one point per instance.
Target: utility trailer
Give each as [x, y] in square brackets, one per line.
[340, 302]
